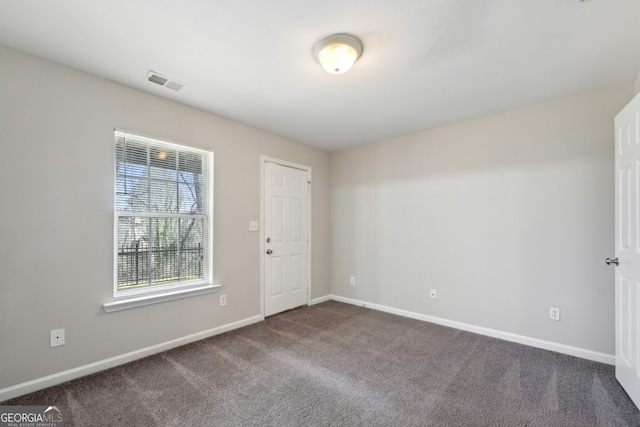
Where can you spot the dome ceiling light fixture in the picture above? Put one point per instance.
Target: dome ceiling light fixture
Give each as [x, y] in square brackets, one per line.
[337, 53]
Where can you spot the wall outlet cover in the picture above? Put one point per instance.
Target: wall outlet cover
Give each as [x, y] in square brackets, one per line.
[57, 337]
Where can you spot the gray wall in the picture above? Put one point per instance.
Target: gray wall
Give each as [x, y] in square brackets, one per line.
[56, 262]
[505, 216]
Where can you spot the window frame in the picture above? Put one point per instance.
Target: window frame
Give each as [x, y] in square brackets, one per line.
[149, 294]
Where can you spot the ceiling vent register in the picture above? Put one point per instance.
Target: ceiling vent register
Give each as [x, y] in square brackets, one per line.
[158, 79]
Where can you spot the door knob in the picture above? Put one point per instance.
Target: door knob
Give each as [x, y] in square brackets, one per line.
[610, 261]
[269, 251]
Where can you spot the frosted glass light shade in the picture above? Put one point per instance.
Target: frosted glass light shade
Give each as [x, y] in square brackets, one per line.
[338, 53]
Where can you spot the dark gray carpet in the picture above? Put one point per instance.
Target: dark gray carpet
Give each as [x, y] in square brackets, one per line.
[335, 364]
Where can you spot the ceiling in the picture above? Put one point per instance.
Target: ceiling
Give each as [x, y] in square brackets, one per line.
[426, 63]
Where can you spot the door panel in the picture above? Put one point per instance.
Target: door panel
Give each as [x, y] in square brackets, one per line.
[625, 320]
[296, 272]
[296, 220]
[627, 243]
[625, 209]
[286, 257]
[277, 276]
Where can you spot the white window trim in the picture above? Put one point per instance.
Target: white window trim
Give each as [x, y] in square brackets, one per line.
[141, 301]
[142, 297]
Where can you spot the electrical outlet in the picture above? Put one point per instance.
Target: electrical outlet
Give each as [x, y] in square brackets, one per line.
[223, 300]
[352, 281]
[432, 294]
[554, 313]
[57, 337]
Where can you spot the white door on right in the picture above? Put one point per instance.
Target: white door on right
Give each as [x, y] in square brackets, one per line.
[286, 257]
[627, 246]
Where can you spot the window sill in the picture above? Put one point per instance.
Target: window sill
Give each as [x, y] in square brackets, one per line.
[125, 304]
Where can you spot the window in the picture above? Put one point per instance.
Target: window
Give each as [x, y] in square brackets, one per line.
[163, 216]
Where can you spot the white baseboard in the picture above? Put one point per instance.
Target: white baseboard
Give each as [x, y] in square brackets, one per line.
[507, 336]
[321, 299]
[60, 377]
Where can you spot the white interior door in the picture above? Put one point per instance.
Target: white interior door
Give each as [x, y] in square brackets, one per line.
[286, 234]
[627, 241]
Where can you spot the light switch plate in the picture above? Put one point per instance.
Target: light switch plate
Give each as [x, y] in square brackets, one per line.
[253, 225]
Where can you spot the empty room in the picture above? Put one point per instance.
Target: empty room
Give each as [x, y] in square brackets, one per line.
[340, 213]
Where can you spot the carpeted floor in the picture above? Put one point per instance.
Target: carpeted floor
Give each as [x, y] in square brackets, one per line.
[335, 364]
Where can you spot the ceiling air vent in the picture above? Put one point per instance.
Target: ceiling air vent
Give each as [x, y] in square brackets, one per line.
[164, 81]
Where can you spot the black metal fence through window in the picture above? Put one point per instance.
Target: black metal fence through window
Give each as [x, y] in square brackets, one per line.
[140, 266]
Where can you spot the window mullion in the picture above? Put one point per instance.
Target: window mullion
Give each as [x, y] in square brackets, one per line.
[150, 248]
[161, 215]
[179, 237]
[179, 250]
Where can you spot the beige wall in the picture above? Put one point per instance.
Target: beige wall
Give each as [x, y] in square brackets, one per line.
[56, 170]
[637, 84]
[505, 216]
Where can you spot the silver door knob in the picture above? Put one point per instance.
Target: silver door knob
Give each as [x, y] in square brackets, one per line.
[610, 261]
[269, 251]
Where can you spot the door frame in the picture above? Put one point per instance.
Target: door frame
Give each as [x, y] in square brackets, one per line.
[307, 169]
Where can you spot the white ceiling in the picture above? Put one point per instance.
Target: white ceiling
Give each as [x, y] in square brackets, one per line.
[426, 63]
